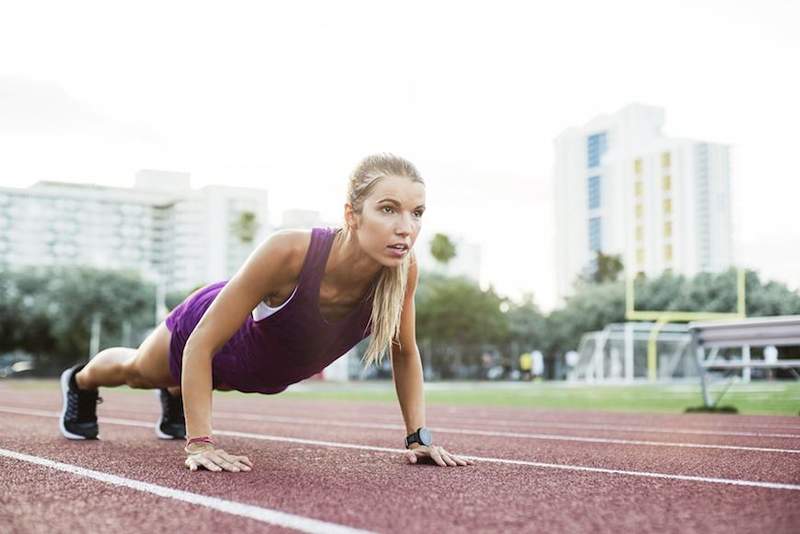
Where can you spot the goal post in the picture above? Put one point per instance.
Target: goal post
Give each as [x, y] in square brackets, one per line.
[662, 317]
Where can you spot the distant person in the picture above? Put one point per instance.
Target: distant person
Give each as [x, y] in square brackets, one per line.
[571, 358]
[525, 363]
[770, 357]
[300, 301]
[538, 364]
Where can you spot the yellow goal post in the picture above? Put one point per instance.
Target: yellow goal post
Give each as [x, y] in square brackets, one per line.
[662, 317]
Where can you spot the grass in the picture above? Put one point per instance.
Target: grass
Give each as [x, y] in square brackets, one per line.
[763, 398]
[775, 398]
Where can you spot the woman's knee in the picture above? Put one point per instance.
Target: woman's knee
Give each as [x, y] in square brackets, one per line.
[134, 377]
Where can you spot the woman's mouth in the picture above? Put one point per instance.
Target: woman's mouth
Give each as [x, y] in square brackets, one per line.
[398, 250]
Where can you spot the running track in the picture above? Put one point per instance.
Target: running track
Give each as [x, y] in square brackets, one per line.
[336, 466]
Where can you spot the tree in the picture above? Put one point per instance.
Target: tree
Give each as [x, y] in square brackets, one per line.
[442, 248]
[48, 311]
[603, 268]
[526, 324]
[456, 319]
[595, 305]
[246, 226]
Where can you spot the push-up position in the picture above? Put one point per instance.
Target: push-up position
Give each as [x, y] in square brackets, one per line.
[301, 300]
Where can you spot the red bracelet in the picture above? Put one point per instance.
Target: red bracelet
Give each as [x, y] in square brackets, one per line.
[200, 439]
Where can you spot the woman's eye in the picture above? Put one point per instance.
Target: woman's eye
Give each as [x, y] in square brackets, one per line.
[388, 208]
[418, 213]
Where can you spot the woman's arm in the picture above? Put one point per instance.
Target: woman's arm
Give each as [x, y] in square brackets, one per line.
[406, 361]
[408, 379]
[268, 267]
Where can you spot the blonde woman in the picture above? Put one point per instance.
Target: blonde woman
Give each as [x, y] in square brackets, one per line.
[300, 301]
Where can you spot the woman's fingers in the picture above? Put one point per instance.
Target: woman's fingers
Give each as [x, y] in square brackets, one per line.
[436, 454]
[447, 459]
[439, 456]
[206, 462]
[218, 460]
[245, 460]
[461, 461]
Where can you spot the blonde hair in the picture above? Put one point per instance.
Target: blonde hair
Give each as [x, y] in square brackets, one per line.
[387, 300]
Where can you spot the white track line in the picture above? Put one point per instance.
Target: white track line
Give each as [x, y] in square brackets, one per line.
[278, 419]
[490, 433]
[265, 515]
[567, 467]
[482, 417]
[609, 425]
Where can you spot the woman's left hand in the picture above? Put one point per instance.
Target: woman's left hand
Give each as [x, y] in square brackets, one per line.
[437, 454]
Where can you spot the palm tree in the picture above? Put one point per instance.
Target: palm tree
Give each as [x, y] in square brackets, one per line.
[442, 248]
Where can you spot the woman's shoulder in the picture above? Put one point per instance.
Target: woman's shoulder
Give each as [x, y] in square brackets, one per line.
[291, 246]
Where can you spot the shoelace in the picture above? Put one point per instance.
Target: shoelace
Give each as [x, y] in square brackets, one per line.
[82, 405]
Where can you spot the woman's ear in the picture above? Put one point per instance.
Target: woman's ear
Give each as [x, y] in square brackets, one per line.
[350, 216]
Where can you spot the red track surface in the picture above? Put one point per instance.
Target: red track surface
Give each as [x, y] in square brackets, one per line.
[378, 491]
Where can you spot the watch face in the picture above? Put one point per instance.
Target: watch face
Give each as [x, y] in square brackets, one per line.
[425, 436]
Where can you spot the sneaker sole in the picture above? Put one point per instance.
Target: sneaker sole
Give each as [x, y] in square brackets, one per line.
[64, 389]
[159, 433]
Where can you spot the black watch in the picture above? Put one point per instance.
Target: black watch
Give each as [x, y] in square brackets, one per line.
[422, 436]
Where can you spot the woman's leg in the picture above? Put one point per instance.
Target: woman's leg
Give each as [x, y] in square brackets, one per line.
[144, 368]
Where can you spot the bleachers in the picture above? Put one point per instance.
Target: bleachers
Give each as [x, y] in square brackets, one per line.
[709, 337]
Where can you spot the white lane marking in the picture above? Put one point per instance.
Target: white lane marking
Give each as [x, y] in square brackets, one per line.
[445, 430]
[608, 426]
[280, 419]
[265, 515]
[491, 433]
[481, 417]
[335, 444]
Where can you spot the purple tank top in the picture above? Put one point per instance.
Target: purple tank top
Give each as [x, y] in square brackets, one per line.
[295, 342]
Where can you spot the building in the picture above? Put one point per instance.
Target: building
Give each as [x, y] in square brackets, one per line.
[303, 219]
[178, 236]
[622, 187]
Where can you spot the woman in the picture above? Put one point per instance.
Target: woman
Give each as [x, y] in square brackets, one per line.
[301, 300]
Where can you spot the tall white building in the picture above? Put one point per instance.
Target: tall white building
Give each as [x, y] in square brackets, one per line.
[161, 227]
[622, 187]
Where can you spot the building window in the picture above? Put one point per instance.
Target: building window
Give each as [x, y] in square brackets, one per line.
[667, 182]
[637, 166]
[594, 234]
[639, 187]
[640, 257]
[668, 253]
[639, 232]
[667, 205]
[666, 159]
[596, 146]
[639, 211]
[594, 192]
[668, 229]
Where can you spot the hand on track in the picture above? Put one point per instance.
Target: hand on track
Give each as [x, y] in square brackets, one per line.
[435, 454]
[214, 459]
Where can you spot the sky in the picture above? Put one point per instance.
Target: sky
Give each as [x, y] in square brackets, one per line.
[289, 96]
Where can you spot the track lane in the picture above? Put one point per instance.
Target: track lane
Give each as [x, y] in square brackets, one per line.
[379, 492]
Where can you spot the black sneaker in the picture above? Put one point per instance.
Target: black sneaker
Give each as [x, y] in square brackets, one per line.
[79, 414]
[172, 424]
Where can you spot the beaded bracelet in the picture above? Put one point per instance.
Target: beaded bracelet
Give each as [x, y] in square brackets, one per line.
[200, 439]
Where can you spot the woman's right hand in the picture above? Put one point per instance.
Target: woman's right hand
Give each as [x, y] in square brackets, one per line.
[214, 459]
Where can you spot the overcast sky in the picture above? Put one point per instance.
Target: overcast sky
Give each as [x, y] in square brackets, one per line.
[289, 96]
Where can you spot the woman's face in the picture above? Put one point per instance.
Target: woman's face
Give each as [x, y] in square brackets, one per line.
[390, 219]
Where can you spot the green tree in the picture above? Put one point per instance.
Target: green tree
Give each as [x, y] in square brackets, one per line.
[603, 268]
[48, 311]
[526, 325]
[456, 319]
[245, 227]
[442, 248]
